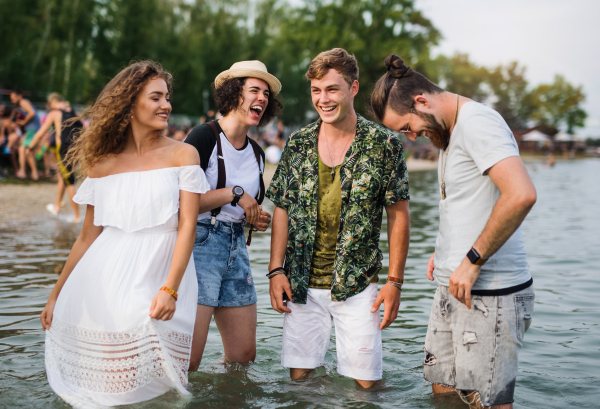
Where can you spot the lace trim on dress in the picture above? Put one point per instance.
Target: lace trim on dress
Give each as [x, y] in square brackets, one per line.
[120, 361]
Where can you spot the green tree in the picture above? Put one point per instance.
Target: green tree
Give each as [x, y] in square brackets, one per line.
[558, 104]
[371, 30]
[511, 97]
[45, 45]
[459, 75]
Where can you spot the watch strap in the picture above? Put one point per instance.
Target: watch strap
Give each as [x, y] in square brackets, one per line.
[475, 258]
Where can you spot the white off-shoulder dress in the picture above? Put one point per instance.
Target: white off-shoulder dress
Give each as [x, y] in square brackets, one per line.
[102, 348]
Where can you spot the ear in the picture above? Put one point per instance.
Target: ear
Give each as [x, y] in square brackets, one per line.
[422, 100]
[354, 88]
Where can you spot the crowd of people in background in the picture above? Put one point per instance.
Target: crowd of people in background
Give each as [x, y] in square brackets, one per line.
[31, 149]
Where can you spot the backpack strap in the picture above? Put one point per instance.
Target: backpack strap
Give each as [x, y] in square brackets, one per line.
[221, 176]
[261, 191]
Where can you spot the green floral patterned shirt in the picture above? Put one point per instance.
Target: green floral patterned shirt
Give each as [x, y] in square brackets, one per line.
[372, 176]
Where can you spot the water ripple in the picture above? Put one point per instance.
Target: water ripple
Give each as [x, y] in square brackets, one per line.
[558, 364]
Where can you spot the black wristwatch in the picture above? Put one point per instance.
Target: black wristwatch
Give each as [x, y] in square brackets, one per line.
[238, 192]
[475, 258]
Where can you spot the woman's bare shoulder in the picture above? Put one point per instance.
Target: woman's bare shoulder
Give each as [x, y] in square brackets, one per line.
[103, 167]
[183, 154]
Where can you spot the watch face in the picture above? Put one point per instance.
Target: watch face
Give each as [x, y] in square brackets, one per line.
[238, 191]
[473, 256]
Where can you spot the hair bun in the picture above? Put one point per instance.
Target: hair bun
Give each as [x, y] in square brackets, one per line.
[396, 67]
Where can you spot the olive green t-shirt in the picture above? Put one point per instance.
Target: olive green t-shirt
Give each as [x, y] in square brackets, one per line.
[329, 205]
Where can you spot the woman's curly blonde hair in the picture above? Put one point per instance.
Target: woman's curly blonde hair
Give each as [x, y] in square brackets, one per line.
[110, 117]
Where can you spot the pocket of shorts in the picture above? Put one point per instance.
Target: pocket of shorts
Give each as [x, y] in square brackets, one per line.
[203, 233]
[524, 310]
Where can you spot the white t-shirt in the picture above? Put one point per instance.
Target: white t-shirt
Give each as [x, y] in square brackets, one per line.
[241, 168]
[481, 138]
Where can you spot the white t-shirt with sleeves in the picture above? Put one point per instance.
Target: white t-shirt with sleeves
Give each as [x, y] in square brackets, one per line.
[241, 168]
[481, 139]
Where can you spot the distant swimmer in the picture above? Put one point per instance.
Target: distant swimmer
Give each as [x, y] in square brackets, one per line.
[66, 126]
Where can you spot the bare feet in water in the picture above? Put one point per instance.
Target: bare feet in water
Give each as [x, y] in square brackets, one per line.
[52, 209]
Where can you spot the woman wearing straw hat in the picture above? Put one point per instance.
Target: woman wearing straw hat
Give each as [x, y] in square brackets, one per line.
[246, 95]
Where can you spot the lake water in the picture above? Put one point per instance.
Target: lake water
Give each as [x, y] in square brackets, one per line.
[559, 365]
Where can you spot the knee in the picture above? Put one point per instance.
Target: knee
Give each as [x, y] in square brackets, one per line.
[247, 357]
[297, 374]
[243, 357]
[365, 384]
[438, 389]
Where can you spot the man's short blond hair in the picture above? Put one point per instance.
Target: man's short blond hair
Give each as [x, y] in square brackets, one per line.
[337, 59]
[55, 96]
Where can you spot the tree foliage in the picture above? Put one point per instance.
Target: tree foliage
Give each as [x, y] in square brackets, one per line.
[558, 104]
[459, 75]
[76, 46]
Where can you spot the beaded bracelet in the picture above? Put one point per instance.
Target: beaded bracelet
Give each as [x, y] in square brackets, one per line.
[172, 292]
[275, 271]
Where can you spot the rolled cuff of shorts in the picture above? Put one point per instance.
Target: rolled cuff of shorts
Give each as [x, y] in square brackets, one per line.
[239, 303]
[300, 362]
[360, 373]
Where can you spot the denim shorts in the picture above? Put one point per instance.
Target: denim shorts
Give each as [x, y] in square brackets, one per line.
[477, 349]
[223, 265]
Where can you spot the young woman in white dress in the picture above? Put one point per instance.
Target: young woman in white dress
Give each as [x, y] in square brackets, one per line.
[120, 319]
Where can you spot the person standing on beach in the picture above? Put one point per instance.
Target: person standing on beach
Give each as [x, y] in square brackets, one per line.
[334, 179]
[246, 95]
[484, 298]
[30, 124]
[66, 126]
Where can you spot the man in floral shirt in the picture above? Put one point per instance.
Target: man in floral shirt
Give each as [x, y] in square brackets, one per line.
[334, 179]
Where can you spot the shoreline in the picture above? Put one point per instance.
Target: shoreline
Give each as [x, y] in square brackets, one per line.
[25, 199]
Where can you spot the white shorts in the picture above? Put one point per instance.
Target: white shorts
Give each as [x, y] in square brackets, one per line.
[307, 330]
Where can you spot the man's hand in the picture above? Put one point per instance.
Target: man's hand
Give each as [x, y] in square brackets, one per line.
[277, 286]
[390, 296]
[430, 267]
[250, 206]
[263, 221]
[462, 280]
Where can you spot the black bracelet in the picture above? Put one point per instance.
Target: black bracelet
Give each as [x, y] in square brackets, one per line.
[275, 271]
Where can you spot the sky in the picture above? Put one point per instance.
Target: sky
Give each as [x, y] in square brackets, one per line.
[548, 37]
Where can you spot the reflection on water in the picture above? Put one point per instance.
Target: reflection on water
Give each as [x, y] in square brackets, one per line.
[558, 364]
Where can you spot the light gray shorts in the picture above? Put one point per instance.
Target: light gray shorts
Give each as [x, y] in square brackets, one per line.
[477, 349]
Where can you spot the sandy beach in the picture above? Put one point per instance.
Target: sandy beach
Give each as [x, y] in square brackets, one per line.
[27, 199]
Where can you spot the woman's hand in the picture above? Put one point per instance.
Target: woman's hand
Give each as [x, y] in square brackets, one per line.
[47, 313]
[163, 306]
[250, 206]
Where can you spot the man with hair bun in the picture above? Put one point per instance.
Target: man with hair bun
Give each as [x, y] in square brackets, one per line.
[333, 181]
[484, 299]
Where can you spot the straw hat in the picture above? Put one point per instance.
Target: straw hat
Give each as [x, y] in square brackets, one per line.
[253, 69]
